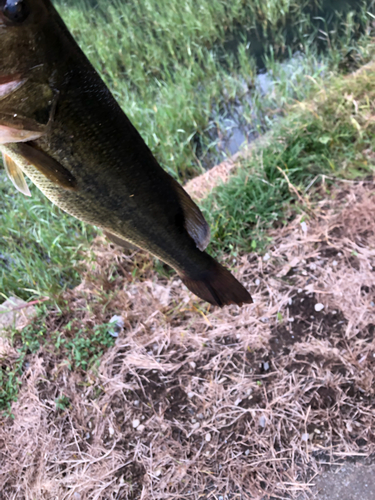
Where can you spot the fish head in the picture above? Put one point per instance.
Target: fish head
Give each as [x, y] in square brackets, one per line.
[22, 23]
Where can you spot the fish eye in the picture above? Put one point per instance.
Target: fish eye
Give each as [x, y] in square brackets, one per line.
[15, 11]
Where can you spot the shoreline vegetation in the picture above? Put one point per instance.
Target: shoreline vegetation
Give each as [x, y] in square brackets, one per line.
[174, 71]
[178, 71]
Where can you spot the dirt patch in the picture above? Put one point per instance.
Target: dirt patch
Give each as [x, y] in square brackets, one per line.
[196, 402]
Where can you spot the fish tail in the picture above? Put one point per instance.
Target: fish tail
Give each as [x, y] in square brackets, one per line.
[217, 286]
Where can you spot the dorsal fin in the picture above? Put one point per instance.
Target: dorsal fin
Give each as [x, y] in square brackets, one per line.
[195, 223]
[15, 174]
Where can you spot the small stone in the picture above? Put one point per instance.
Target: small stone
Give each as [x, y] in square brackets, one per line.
[266, 366]
[334, 263]
[247, 452]
[190, 395]
[317, 431]
[192, 364]
[349, 426]
[118, 325]
[195, 426]
[77, 496]
[135, 423]
[291, 320]
[111, 431]
[257, 282]
[305, 437]
[304, 227]
[136, 402]
[300, 290]
[262, 421]
[312, 266]
[157, 473]
[319, 307]
[266, 257]
[208, 437]
[161, 293]
[237, 402]
[140, 428]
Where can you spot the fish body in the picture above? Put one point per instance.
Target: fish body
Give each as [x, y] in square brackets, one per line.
[61, 126]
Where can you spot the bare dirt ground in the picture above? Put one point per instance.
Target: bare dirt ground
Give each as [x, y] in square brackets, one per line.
[195, 402]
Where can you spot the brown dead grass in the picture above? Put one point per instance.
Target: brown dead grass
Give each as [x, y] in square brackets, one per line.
[201, 186]
[233, 403]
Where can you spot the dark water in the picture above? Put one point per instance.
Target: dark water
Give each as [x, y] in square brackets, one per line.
[242, 120]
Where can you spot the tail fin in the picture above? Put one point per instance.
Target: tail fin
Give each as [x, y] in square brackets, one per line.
[218, 286]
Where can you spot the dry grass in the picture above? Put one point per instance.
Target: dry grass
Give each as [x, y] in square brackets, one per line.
[234, 403]
[201, 186]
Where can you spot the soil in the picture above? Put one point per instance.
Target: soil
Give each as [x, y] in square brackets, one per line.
[193, 402]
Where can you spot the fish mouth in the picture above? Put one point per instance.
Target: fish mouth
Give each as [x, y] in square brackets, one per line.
[9, 84]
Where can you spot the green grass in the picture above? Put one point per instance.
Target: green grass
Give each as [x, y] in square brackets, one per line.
[173, 66]
[39, 244]
[329, 136]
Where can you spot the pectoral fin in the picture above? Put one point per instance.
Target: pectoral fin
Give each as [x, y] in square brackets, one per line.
[195, 223]
[8, 85]
[47, 165]
[15, 174]
[12, 134]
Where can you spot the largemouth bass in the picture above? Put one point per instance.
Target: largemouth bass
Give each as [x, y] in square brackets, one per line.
[61, 126]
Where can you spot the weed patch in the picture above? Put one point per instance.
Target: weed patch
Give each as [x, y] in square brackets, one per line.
[72, 345]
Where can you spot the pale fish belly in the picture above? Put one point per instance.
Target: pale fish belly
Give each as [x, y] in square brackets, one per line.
[71, 202]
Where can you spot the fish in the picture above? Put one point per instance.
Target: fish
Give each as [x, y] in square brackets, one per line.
[62, 128]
